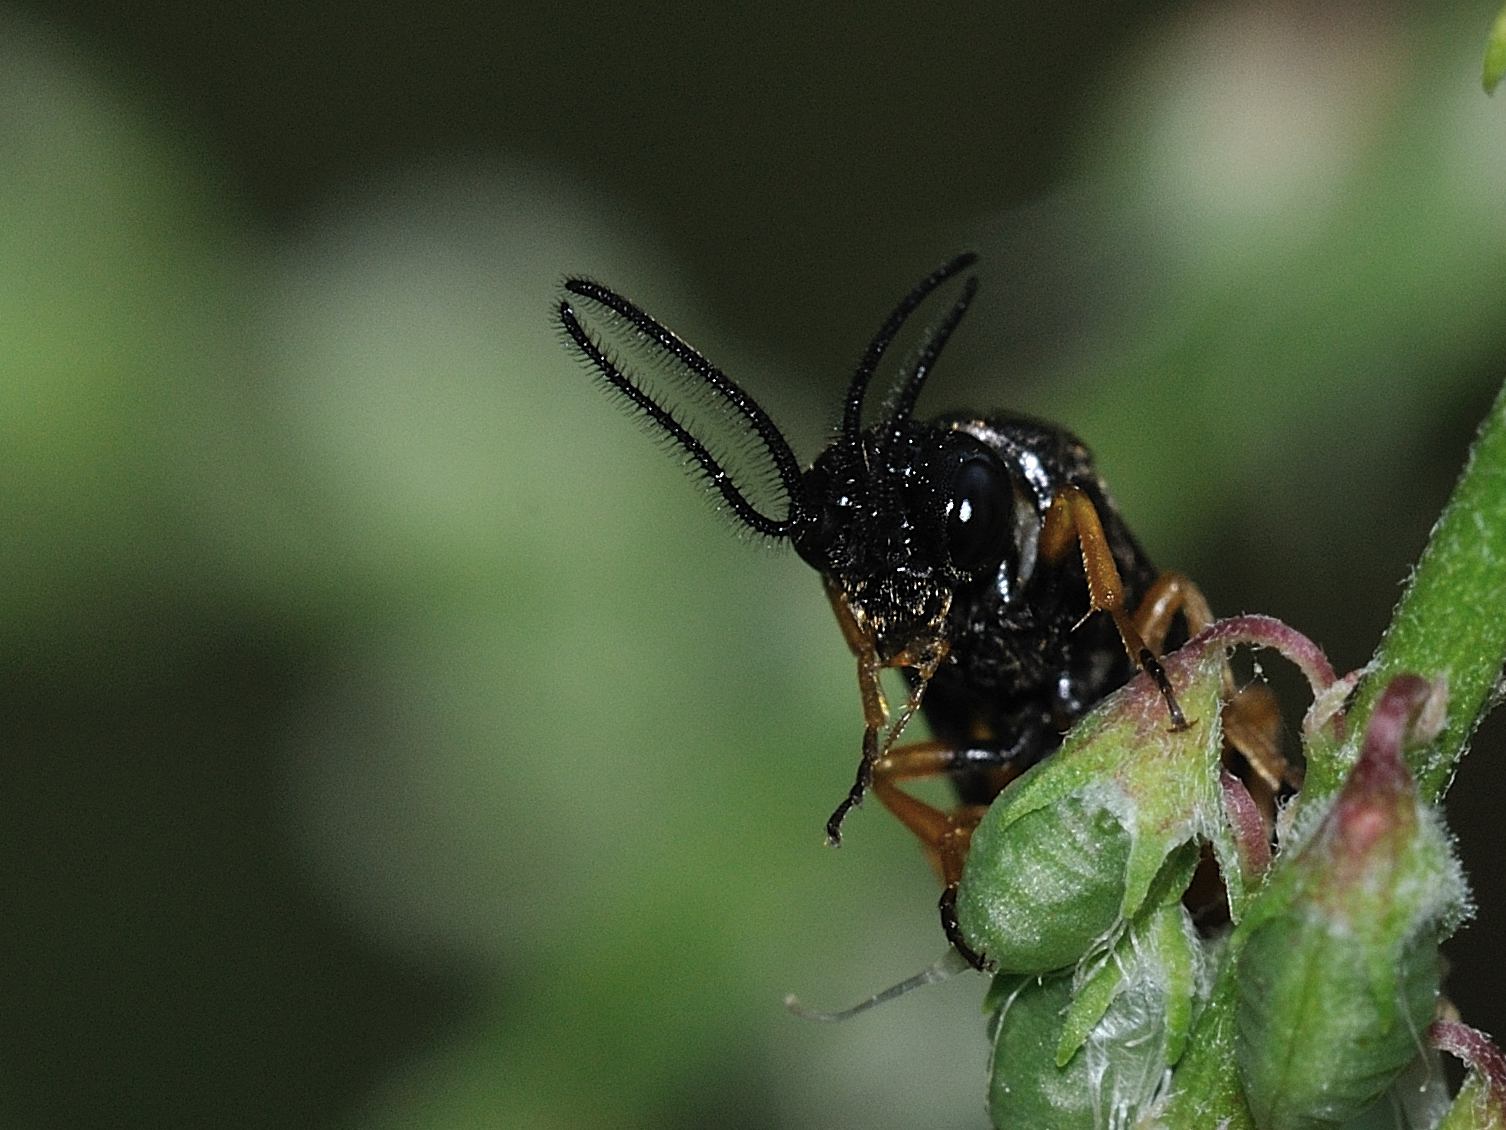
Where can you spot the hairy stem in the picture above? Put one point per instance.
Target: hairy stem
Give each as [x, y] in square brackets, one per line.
[1450, 624]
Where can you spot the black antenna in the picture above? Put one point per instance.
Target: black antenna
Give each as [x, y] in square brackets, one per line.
[852, 411]
[904, 403]
[688, 364]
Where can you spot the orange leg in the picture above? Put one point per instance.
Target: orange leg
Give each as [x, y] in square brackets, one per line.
[1251, 716]
[1169, 595]
[1252, 725]
[1251, 721]
[875, 704]
[943, 834]
[946, 836]
[1073, 518]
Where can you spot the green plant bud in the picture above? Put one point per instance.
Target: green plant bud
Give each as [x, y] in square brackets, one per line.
[1056, 883]
[1481, 1102]
[1112, 821]
[1090, 1050]
[1338, 968]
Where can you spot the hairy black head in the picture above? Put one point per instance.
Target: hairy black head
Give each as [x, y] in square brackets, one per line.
[900, 516]
[909, 518]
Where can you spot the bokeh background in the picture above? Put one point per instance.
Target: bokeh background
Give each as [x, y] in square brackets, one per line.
[393, 737]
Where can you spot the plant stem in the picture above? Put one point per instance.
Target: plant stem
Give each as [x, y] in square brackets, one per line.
[1449, 625]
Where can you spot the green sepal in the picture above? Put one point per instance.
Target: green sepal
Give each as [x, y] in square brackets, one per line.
[1165, 948]
[1475, 1107]
[1317, 1041]
[1073, 1051]
[1055, 883]
[1205, 1089]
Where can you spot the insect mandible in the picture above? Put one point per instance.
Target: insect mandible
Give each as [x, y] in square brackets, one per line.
[981, 555]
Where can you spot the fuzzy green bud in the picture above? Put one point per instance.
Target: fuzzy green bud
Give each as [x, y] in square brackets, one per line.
[1089, 1050]
[1338, 967]
[1056, 882]
[1071, 850]
[1112, 822]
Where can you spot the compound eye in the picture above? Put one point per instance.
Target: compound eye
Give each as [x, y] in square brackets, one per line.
[980, 518]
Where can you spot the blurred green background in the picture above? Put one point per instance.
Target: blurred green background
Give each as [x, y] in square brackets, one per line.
[394, 738]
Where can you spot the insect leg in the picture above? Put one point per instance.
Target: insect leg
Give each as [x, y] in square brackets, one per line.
[945, 836]
[1251, 716]
[875, 706]
[1073, 518]
[923, 661]
[1252, 725]
[1168, 595]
